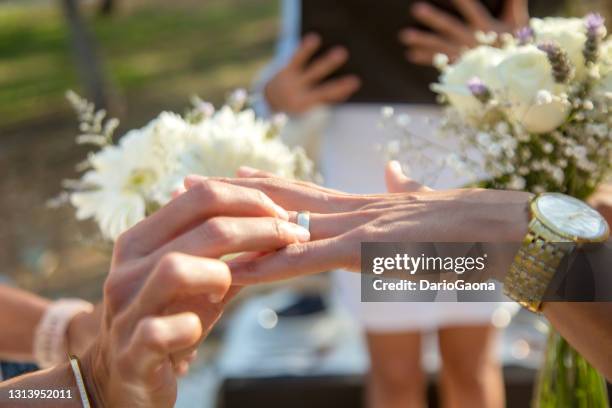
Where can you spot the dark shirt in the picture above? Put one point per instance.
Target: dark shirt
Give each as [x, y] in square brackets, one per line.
[369, 30]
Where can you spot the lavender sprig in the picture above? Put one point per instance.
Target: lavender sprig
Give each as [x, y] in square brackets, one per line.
[596, 31]
[479, 89]
[562, 68]
[525, 35]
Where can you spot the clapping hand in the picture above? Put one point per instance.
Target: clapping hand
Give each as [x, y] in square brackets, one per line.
[451, 35]
[297, 87]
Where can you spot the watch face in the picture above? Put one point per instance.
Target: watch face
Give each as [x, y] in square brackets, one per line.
[571, 217]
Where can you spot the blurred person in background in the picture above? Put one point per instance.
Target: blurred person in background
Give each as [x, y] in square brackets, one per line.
[354, 58]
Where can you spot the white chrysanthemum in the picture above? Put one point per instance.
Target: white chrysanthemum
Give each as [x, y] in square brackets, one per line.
[125, 179]
[228, 140]
[130, 180]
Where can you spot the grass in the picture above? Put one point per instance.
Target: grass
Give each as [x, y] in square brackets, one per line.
[155, 56]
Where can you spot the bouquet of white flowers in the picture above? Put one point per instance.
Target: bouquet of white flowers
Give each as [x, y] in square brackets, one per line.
[125, 182]
[532, 113]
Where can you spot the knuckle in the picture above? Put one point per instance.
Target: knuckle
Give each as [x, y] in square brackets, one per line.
[170, 262]
[222, 276]
[217, 231]
[207, 190]
[124, 246]
[280, 232]
[226, 274]
[293, 253]
[261, 198]
[150, 334]
[249, 271]
[171, 271]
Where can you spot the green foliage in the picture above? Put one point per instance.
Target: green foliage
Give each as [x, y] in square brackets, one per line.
[155, 54]
[567, 380]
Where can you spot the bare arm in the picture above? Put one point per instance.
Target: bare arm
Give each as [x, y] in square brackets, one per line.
[59, 378]
[20, 313]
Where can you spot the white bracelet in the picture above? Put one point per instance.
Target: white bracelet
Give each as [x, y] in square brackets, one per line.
[76, 369]
[50, 345]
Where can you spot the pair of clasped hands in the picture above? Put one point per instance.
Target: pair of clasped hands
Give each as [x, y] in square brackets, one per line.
[167, 287]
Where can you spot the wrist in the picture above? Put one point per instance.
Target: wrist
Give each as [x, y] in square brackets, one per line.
[269, 99]
[59, 378]
[502, 216]
[51, 335]
[95, 376]
[501, 228]
[81, 331]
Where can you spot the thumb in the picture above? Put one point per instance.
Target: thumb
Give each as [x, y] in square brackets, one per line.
[397, 182]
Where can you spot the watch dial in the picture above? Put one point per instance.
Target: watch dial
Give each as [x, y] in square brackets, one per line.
[571, 216]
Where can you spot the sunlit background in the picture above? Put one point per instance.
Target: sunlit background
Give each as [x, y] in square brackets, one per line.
[136, 58]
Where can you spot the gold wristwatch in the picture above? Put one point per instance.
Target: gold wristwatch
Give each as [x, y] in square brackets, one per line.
[559, 224]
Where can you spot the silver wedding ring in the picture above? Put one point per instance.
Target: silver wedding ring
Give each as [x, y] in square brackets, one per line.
[303, 220]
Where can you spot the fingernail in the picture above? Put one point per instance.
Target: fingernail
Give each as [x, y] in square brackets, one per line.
[409, 35]
[311, 38]
[395, 166]
[354, 81]
[191, 180]
[280, 212]
[339, 53]
[215, 298]
[178, 192]
[301, 233]
[246, 171]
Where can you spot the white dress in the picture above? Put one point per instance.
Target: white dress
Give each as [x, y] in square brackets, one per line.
[350, 161]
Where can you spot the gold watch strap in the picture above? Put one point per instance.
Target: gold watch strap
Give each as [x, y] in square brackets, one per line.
[535, 265]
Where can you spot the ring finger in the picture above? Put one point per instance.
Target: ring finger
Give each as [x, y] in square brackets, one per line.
[221, 236]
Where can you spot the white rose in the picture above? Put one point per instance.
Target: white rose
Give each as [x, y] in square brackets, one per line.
[525, 82]
[478, 62]
[568, 33]
[606, 83]
[605, 68]
[606, 53]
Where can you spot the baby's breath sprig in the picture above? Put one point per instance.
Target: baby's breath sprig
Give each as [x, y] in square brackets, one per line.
[199, 111]
[96, 128]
